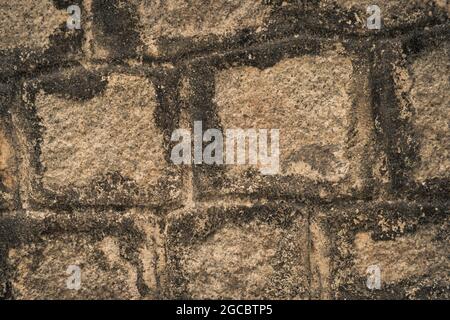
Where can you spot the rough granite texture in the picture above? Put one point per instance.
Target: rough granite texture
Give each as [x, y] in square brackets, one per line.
[81, 130]
[86, 178]
[314, 124]
[27, 25]
[103, 271]
[430, 99]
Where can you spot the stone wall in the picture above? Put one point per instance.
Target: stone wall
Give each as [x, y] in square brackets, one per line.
[86, 179]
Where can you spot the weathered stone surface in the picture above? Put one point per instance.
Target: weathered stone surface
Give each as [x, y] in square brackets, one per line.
[319, 102]
[238, 253]
[408, 244]
[426, 88]
[159, 27]
[179, 27]
[285, 97]
[99, 138]
[28, 25]
[115, 29]
[395, 14]
[103, 272]
[86, 178]
[195, 19]
[7, 170]
[8, 165]
[416, 255]
[116, 255]
[36, 34]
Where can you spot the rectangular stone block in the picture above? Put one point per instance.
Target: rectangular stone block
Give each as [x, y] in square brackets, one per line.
[238, 252]
[8, 180]
[37, 34]
[316, 96]
[423, 89]
[109, 255]
[8, 162]
[97, 137]
[381, 251]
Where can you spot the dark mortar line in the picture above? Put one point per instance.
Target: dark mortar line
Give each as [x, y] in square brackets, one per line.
[384, 103]
[233, 43]
[33, 230]
[201, 54]
[299, 198]
[182, 57]
[157, 209]
[210, 203]
[362, 64]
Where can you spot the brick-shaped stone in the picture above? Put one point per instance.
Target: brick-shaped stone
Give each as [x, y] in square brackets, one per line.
[103, 272]
[286, 97]
[113, 254]
[27, 25]
[7, 169]
[419, 255]
[320, 104]
[8, 163]
[36, 34]
[425, 87]
[405, 246]
[96, 137]
[238, 253]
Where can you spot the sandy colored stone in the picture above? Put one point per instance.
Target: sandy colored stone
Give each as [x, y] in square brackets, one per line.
[28, 24]
[251, 261]
[112, 132]
[307, 98]
[241, 257]
[394, 13]
[6, 161]
[197, 18]
[39, 269]
[8, 168]
[430, 97]
[413, 257]
[409, 256]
